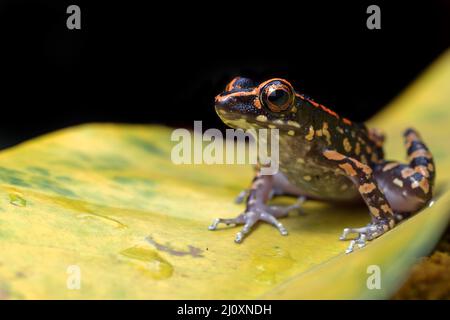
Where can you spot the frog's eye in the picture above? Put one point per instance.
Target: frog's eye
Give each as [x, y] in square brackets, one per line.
[277, 95]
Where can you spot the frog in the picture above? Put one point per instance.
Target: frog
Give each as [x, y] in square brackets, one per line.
[326, 157]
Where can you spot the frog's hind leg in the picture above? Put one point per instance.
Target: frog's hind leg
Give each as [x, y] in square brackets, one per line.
[379, 208]
[376, 136]
[262, 190]
[420, 158]
[408, 187]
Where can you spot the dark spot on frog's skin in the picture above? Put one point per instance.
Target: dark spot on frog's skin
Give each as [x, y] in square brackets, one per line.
[146, 145]
[193, 251]
[421, 161]
[40, 171]
[417, 176]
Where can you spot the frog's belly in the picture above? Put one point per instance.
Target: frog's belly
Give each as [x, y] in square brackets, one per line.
[319, 182]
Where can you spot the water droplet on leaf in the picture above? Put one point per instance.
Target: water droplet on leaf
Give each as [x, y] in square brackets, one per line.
[17, 200]
[270, 264]
[149, 262]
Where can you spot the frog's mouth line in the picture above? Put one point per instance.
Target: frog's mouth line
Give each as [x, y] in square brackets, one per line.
[239, 121]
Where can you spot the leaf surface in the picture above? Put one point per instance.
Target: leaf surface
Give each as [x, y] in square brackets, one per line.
[107, 199]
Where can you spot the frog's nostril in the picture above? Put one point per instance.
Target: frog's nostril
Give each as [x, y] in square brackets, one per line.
[222, 101]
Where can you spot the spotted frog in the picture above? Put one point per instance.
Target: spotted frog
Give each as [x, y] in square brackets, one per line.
[323, 156]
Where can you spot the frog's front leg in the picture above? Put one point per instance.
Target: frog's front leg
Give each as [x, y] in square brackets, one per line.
[261, 191]
[280, 186]
[241, 196]
[379, 208]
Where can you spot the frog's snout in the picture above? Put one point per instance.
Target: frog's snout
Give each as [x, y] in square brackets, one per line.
[235, 103]
[224, 102]
[229, 106]
[217, 100]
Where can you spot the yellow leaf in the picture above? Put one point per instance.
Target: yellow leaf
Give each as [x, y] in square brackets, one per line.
[108, 200]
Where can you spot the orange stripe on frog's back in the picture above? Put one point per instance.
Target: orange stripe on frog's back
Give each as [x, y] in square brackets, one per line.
[321, 106]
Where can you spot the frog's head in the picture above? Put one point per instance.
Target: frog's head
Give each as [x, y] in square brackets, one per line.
[245, 104]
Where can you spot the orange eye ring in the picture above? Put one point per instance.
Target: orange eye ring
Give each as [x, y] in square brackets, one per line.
[277, 95]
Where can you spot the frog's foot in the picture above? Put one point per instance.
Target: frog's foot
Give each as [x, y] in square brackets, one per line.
[296, 206]
[258, 212]
[364, 234]
[399, 217]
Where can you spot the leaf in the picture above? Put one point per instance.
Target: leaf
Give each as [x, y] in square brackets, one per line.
[107, 199]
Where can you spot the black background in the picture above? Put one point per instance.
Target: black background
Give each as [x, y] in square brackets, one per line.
[146, 62]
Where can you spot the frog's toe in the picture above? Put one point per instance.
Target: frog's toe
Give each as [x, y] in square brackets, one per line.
[345, 234]
[250, 218]
[238, 220]
[359, 242]
[369, 232]
[273, 221]
[282, 211]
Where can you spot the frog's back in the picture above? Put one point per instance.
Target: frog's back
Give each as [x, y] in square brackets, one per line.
[328, 130]
[303, 163]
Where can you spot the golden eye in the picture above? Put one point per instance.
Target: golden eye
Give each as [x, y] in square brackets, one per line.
[277, 95]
